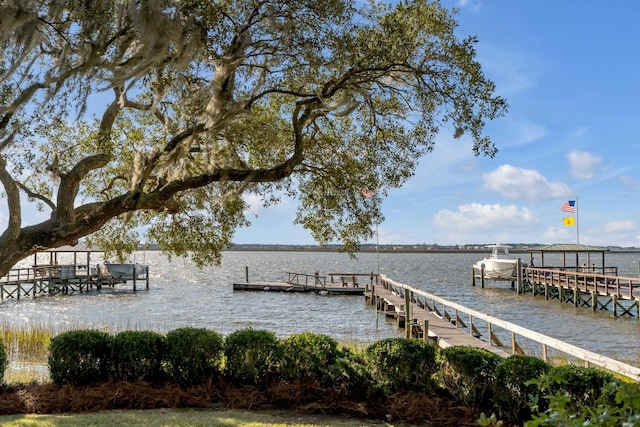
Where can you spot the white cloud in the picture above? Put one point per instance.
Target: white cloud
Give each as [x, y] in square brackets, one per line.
[624, 226]
[523, 184]
[560, 234]
[472, 221]
[630, 182]
[474, 6]
[583, 165]
[474, 216]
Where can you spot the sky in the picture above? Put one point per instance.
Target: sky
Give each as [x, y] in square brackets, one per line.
[570, 71]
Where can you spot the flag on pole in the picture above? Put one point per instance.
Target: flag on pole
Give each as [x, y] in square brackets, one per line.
[569, 221]
[568, 206]
[368, 194]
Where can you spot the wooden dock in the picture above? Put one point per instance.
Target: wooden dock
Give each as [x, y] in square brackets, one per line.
[442, 321]
[396, 301]
[581, 287]
[60, 279]
[620, 295]
[330, 284]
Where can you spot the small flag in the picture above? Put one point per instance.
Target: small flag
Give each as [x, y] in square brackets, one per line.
[569, 221]
[568, 206]
[368, 193]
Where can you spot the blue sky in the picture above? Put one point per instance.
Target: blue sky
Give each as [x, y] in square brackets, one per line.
[570, 71]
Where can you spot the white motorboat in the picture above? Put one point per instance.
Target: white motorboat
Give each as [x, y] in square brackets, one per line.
[498, 266]
[126, 271]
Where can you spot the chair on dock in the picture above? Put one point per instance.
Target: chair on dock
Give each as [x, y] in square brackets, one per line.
[349, 280]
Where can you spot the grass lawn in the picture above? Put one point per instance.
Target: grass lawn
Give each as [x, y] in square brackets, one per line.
[184, 417]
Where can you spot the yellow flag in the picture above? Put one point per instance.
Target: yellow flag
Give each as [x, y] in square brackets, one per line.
[569, 221]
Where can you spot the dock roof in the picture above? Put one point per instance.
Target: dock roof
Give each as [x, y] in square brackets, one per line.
[80, 247]
[568, 247]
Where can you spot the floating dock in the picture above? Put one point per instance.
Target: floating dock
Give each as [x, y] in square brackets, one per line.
[330, 284]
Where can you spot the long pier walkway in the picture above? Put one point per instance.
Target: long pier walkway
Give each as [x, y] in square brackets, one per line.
[440, 322]
[398, 301]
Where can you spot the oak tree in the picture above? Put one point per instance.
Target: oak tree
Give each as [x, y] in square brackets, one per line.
[155, 120]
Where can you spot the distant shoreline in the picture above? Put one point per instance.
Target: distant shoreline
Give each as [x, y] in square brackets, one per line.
[392, 249]
[371, 248]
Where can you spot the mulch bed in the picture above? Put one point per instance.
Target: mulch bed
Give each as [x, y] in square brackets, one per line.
[302, 397]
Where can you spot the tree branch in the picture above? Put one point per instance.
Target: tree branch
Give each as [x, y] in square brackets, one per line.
[33, 195]
[13, 202]
[70, 184]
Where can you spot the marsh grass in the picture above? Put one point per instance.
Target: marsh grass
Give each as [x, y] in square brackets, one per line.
[28, 344]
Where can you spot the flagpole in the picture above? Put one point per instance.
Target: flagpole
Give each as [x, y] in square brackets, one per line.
[577, 224]
[377, 251]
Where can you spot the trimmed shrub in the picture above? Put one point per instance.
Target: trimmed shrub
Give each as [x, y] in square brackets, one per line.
[80, 357]
[307, 356]
[192, 355]
[584, 385]
[251, 356]
[402, 364]
[468, 373]
[350, 375]
[4, 361]
[137, 356]
[512, 390]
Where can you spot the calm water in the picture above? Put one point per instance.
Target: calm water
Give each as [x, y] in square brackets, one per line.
[182, 295]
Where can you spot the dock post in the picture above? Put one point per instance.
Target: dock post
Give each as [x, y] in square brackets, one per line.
[407, 314]
[425, 330]
[246, 274]
[134, 277]
[373, 288]
[473, 276]
[482, 276]
[519, 276]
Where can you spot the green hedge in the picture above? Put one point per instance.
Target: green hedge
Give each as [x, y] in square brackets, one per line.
[307, 356]
[137, 356]
[80, 357]
[513, 391]
[519, 388]
[468, 373]
[192, 355]
[402, 364]
[251, 356]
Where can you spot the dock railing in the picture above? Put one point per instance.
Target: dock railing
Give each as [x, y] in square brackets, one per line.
[439, 307]
[602, 284]
[314, 280]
